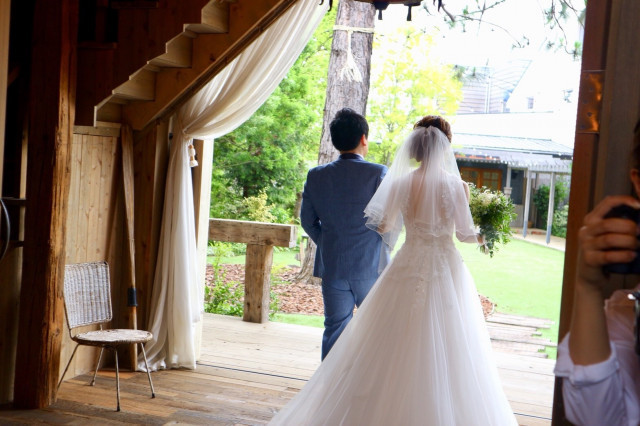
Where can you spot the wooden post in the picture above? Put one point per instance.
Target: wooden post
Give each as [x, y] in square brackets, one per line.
[607, 109]
[260, 239]
[257, 282]
[51, 115]
[552, 196]
[527, 203]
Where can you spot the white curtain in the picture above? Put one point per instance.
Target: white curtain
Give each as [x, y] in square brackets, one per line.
[226, 102]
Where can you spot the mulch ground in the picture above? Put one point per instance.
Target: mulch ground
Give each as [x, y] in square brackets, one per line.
[296, 297]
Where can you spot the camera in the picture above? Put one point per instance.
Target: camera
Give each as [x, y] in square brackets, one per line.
[624, 211]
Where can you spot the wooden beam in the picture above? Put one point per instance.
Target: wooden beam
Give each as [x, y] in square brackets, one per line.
[51, 117]
[260, 239]
[96, 131]
[5, 14]
[241, 231]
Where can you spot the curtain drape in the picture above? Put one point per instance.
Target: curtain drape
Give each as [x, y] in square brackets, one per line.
[227, 101]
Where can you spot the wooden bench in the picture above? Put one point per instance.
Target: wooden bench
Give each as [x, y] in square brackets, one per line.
[260, 239]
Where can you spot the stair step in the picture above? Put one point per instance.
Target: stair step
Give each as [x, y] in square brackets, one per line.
[109, 111]
[140, 87]
[178, 53]
[215, 19]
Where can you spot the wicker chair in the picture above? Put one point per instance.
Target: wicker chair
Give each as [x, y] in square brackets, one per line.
[87, 301]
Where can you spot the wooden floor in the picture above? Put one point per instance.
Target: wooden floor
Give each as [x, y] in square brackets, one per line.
[245, 374]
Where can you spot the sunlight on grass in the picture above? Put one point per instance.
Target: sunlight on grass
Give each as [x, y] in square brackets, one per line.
[281, 257]
[300, 319]
[522, 278]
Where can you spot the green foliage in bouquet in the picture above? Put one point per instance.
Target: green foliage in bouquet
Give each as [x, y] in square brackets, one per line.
[492, 212]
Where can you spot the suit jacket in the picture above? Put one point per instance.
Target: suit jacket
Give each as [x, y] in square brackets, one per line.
[332, 214]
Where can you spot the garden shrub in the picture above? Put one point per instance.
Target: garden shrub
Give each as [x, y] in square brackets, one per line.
[541, 200]
[227, 298]
[559, 225]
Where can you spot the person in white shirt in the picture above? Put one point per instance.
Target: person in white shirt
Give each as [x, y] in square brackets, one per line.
[597, 359]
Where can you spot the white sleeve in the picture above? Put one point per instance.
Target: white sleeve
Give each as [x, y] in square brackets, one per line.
[465, 230]
[593, 394]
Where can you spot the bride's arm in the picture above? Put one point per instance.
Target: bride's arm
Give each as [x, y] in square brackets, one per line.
[479, 237]
[391, 211]
[464, 223]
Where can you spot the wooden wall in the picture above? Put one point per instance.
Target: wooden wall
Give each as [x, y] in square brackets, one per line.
[95, 226]
[151, 153]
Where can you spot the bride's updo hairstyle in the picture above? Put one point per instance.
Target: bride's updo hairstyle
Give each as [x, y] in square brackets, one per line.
[417, 150]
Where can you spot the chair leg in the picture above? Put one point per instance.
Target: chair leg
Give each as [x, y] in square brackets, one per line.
[95, 373]
[144, 355]
[68, 364]
[115, 353]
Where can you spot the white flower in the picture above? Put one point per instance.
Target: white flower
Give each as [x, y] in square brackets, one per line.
[485, 198]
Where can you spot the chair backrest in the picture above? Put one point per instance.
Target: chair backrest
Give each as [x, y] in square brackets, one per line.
[87, 294]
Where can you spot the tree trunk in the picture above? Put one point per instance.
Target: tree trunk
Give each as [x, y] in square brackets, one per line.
[344, 92]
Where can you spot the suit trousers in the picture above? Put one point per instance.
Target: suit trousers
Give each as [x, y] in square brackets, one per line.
[340, 297]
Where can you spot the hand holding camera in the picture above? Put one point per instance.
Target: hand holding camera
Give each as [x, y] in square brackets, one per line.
[624, 211]
[609, 237]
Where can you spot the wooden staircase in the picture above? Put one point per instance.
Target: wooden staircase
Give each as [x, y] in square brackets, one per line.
[165, 78]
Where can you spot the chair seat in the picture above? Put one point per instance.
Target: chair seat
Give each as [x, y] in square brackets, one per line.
[113, 337]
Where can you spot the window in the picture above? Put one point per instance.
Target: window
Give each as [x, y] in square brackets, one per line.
[530, 103]
[491, 178]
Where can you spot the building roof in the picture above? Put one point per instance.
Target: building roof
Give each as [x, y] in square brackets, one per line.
[538, 155]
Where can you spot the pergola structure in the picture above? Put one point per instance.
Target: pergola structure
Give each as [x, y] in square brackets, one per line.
[509, 163]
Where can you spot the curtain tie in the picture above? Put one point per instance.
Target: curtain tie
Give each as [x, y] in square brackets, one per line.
[192, 156]
[350, 69]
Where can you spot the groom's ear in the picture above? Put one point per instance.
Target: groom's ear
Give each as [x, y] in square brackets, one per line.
[363, 140]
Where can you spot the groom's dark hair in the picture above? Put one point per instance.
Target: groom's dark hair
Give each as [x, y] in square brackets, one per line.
[346, 128]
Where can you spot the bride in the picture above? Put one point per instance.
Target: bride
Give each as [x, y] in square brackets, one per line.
[417, 352]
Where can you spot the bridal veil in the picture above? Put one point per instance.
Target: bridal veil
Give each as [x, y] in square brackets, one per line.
[423, 182]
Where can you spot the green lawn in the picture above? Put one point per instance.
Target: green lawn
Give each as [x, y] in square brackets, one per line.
[522, 278]
[300, 319]
[281, 257]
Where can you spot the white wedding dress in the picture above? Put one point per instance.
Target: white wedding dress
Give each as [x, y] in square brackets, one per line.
[417, 351]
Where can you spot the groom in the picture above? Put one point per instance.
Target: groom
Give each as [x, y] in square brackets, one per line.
[349, 257]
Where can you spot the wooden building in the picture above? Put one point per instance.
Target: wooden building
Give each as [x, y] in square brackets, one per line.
[74, 73]
[515, 166]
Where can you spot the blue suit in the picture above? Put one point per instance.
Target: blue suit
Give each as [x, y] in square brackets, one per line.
[349, 255]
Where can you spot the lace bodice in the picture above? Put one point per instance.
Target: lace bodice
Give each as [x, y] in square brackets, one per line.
[436, 213]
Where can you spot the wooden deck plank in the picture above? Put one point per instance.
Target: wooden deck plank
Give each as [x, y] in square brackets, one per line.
[246, 373]
[499, 317]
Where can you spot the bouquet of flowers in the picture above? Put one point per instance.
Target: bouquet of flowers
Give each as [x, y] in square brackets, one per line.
[492, 212]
